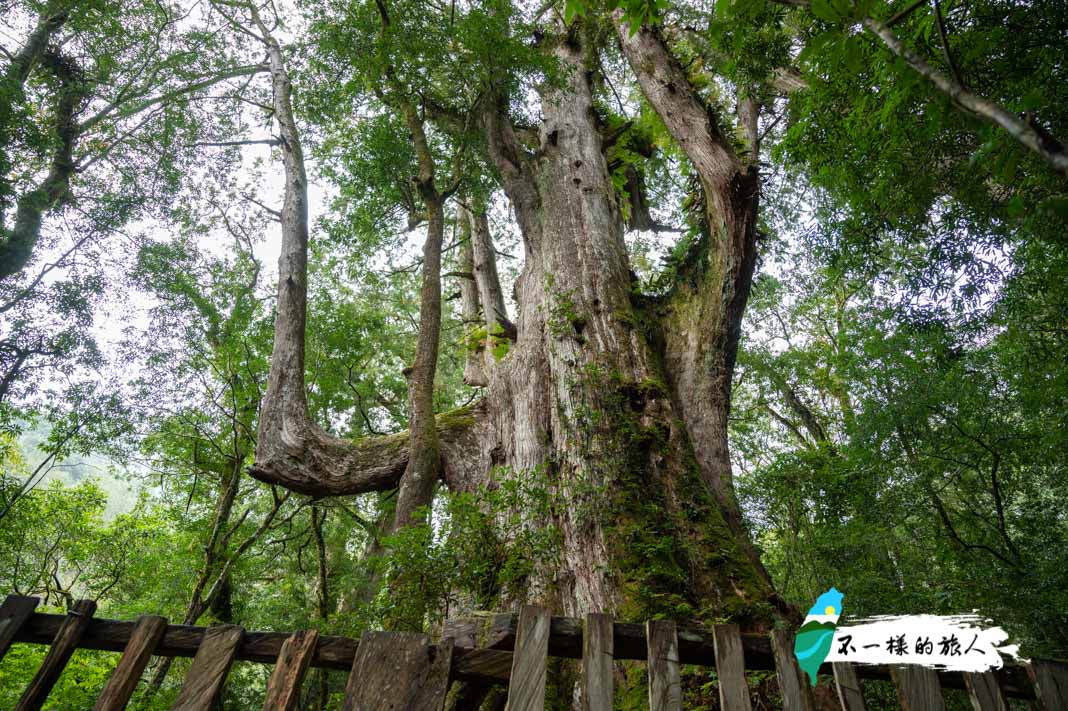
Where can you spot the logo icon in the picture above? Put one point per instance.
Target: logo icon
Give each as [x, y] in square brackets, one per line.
[814, 639]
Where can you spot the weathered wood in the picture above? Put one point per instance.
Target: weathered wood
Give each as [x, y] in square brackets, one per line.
[917, 688]
[793, 684]
[1050, 680]
[13, 614]
[493, 664]
[730, 668]
[59, 654]
[850, 693]
[665, 687]
[143, 641]
[184, 640]
[398, 670]
[207, 673]
[526, 688]
[696, 646]
[481, 664]
[984, 692]
[597, 657]
[283, 689]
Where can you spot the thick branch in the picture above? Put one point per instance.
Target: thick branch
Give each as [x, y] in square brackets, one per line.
[17, 245]
[702, 325]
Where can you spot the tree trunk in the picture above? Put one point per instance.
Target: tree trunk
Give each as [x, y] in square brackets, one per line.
[619, 401]
[637, 459]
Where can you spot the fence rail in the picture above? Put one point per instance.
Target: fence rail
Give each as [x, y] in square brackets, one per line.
[506, 649]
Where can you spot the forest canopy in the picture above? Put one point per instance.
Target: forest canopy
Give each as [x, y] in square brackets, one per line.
[364, 314]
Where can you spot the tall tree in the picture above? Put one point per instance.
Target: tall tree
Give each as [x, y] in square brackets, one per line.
[618, 399]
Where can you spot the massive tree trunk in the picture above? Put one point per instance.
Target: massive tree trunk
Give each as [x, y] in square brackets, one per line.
[621, 401]
[618, 402]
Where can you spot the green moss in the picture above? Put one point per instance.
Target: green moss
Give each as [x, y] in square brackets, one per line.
[458, 418]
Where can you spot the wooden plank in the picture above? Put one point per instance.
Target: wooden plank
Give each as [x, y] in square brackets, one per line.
[13, 613]
[730, 668]
[850, 693]
[184, 640]
[59, 654]
[283, 689]
[1050, 680]
[917, 688]
[481, 665]
[793, 684]
[143, 641]
[984, 692]
[402, 668]
[597, 663]
[665, 688]
[207, 673]
[526, 688]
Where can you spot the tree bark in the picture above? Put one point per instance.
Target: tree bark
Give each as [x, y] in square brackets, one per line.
[703, 313]
[18, 242]
[470, 307]
[291, 449]
[584, 394]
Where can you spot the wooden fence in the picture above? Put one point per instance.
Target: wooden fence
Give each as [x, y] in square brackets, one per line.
[400, 671]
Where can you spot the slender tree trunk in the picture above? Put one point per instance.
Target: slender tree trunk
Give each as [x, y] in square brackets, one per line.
[470, 307]
[18, 242]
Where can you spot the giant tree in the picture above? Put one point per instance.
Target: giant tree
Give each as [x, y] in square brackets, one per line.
[618, 398]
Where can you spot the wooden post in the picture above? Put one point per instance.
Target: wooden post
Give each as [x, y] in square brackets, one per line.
[1050, 680]
[795, 688]
[399, 670]
[917, 688]
[207, 673]
[665, 687]
[59, 654]
[730, 668]
[526, 687]
[597, 657]
[146, 635]
[283, 690]
[850, 692]
[15, 610]
[984, 692]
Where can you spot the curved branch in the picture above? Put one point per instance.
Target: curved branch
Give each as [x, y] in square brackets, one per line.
[291, 450]
[1026, 130]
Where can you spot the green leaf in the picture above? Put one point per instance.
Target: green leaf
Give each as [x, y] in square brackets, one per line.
[853, 54]
[824, 10]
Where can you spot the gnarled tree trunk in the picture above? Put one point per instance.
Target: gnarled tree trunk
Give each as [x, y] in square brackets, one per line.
[618, 400]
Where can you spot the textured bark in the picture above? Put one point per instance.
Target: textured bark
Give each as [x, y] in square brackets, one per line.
[470, 306]
[702, 324]
[424, 461]
[18, 242]
[583, 396]
[487, 294]
[488, 280]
